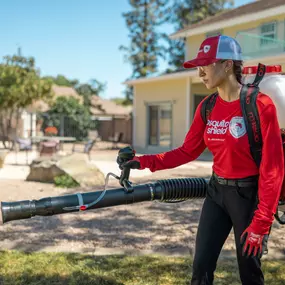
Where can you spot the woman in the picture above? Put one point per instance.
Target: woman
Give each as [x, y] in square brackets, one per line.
[240, 195]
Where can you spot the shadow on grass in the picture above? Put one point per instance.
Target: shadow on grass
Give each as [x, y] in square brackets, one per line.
[157, 227]
[75, 278]
[17, 268]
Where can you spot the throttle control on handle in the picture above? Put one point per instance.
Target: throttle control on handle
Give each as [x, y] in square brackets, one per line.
[125, 154]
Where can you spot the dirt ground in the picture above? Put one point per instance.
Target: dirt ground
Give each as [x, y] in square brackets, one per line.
[147, 227]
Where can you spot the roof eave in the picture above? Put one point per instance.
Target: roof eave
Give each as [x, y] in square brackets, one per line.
[227, 23]
[273, 59]
[176, 75]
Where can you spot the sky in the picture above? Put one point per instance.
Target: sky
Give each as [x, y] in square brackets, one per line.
[79, 39]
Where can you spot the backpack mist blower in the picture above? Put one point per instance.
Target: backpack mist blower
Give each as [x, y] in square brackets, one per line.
[165, 191]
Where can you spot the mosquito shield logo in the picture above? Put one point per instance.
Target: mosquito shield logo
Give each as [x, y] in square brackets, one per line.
[206, 48]
[237, 127]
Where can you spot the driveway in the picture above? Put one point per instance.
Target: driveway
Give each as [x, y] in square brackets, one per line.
[148, 227]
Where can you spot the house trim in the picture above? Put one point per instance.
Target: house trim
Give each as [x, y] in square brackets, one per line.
[176, 75]
[275, 59]
[228, 23]
[188, 103]
[134, 122]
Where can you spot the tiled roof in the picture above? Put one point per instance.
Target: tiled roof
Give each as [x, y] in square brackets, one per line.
[99, 106]
[58, 91]
[66, 92]
[107, 107]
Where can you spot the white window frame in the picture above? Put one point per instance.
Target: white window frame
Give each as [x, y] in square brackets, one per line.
[264, 44]
[159, 104]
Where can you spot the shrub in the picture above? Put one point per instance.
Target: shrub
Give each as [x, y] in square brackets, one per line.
[65, 181]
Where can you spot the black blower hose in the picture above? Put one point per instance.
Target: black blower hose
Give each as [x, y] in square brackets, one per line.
[167, 191]
[177, 190]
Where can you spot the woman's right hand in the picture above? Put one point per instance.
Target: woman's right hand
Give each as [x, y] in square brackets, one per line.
[133, 164]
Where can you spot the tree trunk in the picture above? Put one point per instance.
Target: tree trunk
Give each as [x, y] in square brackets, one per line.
[3, 122]
[145, 62]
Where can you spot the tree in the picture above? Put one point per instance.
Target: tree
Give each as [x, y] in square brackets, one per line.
[129, 93]
[20, 86]
[69, 114]
[120, 101]
[145, 48]
[61, 80]
[87, 90]
[184, 14]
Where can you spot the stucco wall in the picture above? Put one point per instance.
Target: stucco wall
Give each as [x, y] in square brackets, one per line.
[193, 42]
[173, 91]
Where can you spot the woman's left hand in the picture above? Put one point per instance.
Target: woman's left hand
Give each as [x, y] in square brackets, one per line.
[253, 244]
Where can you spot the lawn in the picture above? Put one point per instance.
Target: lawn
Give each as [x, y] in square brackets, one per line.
[69, 269]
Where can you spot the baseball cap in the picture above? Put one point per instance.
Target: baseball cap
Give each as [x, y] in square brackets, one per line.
[214, 49]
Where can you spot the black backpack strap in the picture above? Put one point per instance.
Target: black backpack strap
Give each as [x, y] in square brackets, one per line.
[261, 69]
[249, 109]
[207, 106]
[283, 135]
[250, 114]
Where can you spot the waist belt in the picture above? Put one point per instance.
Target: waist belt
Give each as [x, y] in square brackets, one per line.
[243, 182]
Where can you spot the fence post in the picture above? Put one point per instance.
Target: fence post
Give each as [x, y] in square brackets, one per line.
[61, 128]
[31, 125]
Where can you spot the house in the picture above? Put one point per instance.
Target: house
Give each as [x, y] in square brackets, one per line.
[164, 105]
[29, 115]
[113, 119]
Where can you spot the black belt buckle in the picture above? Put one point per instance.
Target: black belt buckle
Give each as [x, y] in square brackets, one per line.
[221, 180]
[234, 182]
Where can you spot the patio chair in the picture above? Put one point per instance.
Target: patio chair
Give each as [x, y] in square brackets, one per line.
[87, 147]
[118, 137]
[49, 148]
[23, 145]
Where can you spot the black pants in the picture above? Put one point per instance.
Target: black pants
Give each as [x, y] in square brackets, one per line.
[225, 207]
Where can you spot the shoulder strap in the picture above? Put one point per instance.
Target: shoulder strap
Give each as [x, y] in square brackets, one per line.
[249, 109]
[261, 69]
[207, 106]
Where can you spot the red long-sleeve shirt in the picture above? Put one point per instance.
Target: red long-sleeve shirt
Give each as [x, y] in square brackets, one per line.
[225, 136]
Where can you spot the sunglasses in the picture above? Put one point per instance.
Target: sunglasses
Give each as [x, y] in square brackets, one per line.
[210, 66]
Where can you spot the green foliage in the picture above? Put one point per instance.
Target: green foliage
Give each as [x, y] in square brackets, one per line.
[65, 181]
[87, 90]
[121, 101]
[20, 86]
[145, 48]
[74, 116]
[20, 83]
[45, 268]
[61, 80]
[129, 93]
[184, 14]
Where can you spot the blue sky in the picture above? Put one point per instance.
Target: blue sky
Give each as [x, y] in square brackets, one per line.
[79, 39]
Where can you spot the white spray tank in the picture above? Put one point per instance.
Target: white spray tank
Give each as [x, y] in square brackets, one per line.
[272, 84]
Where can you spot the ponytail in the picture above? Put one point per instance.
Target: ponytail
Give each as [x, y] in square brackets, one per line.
[237, 69]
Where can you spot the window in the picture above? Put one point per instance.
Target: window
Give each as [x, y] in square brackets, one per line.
[268, 34]
[160, 122]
